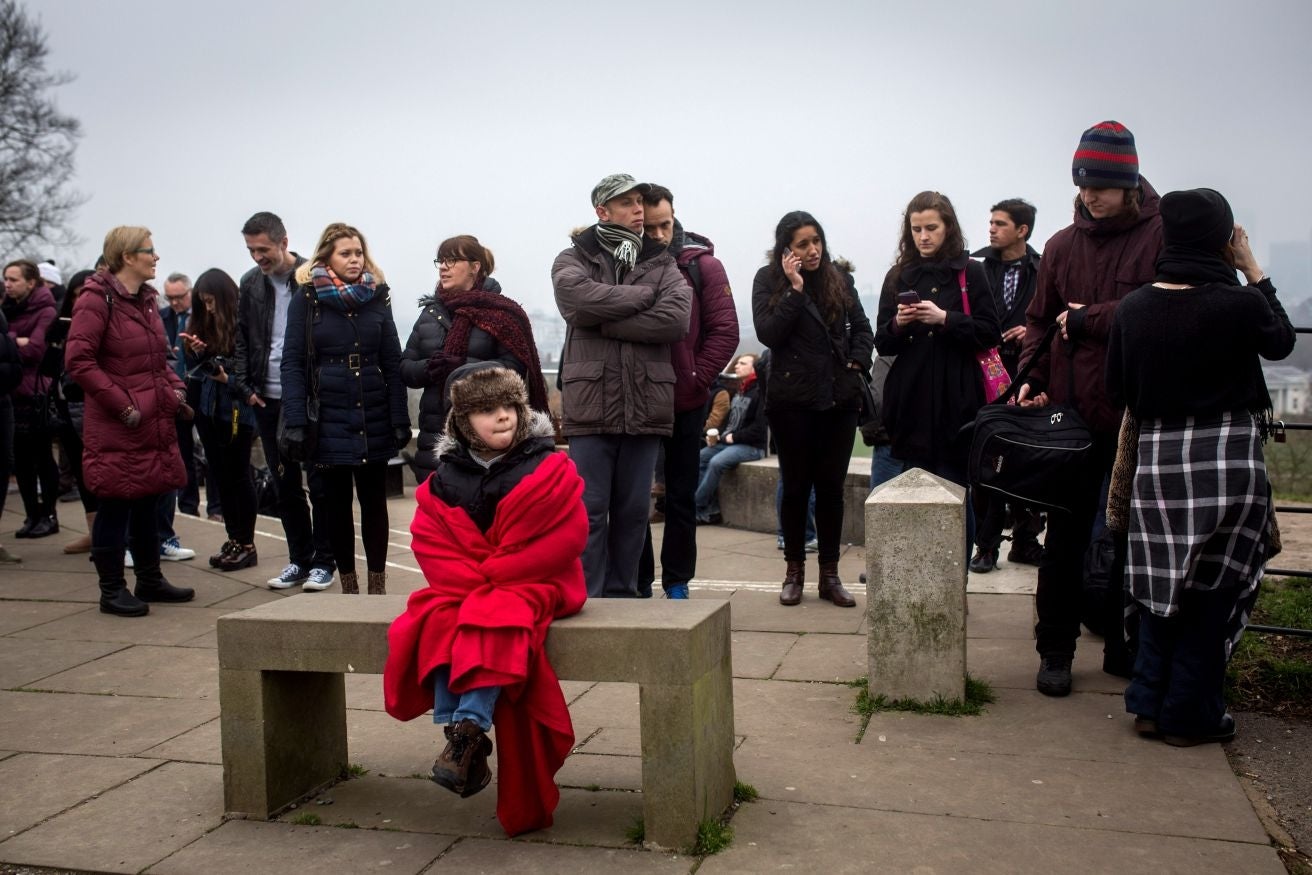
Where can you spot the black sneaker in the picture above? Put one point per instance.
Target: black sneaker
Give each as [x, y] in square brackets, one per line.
[1054, 678]
[984, 561]
[1025, 553]
[1225, 731]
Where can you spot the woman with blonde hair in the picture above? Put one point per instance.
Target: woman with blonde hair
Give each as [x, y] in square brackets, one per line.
[117, 353]
[343, 403]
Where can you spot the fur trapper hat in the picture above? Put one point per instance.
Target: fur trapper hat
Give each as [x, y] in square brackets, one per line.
[483, 386]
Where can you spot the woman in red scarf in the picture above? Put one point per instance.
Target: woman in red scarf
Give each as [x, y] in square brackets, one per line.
[498, 533]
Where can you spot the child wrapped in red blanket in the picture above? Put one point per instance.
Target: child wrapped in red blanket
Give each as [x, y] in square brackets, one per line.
[498, 534]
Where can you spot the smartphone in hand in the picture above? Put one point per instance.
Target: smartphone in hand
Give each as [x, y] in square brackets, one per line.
[908, 298]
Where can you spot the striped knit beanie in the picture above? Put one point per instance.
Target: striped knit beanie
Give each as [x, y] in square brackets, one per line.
[1106, 158]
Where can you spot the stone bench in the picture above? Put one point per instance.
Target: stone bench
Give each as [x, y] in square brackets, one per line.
[747, 497]
[282, 696]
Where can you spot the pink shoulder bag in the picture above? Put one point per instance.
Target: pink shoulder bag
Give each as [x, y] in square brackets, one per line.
[996, 379]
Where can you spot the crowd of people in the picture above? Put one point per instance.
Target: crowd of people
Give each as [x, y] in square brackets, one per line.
[304, 354]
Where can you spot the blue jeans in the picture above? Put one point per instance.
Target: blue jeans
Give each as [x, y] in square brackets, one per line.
[883, 467]
[476, 704]
[714, 462]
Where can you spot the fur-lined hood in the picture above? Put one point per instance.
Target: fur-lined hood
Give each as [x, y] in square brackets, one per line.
[539, 426]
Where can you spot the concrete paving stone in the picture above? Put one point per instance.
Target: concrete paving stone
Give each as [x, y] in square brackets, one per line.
[761, 612]
[1169, 799]
[1012, 663]
[779, 836]
[212, 587]
[34, 787]
[24, 662]
[253, 597]
[759, 654]
[52, 585]
[587, 770]
[609, 704]
[144, 670]
[1008, 578]
[199, 745]
[572, 690]
[130, 827]
[529, 855]
[364, 691]
[825, 657]
[817, 714]
[387, 746]
[207, 641]
[255, 847]
[615, 741]
[1082, 726]
[1000, 616]
[123, 725]
[165, 624]
[17, 615]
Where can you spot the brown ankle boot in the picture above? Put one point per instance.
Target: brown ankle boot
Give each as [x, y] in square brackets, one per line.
[377, 583]
[350, 583]
[794, 577]
[831, 588]
[462, 766]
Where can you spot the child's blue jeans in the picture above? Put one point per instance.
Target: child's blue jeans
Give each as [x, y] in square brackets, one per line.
[475, 704]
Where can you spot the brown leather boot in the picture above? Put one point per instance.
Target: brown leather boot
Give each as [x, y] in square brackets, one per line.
[831, 588]
[377, 583]
[462, 766]
[350, 583]
[794, 578]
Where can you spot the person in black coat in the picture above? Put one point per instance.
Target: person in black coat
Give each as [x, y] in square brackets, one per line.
[343, 403]
[467, 307]
[935, 386]
[808, 313]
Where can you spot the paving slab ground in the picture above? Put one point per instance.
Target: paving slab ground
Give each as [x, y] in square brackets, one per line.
[110, 753]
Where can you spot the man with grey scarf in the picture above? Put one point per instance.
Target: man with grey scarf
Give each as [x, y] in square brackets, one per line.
[624, 302]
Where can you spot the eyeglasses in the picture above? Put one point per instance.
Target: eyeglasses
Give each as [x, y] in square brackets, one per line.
[447, 262]
[150, 251]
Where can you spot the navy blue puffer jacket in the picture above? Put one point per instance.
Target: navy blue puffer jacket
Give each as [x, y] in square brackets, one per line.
[357, 357]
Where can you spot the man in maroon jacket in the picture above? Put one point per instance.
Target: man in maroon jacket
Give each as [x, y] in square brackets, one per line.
[698, 358]
[1108, 251]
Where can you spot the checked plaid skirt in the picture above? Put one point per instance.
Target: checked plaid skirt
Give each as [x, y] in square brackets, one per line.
[1199, 512]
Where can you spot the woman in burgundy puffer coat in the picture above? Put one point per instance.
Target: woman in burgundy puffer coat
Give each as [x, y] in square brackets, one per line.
[117, 353]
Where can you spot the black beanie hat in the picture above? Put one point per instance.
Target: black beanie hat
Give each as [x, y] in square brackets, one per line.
[481, 386]
[1199, 219]
[1106, 158]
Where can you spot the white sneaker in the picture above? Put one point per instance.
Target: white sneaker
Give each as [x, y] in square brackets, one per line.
[175, 552]
[319, 580]
[127, 558]
[292, 575]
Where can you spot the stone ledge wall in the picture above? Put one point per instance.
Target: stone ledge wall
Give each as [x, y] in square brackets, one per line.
[747, 497]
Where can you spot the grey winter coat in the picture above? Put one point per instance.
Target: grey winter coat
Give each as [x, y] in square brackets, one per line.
[616, 372]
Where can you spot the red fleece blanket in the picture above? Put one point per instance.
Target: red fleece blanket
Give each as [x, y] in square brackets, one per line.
[489, 601]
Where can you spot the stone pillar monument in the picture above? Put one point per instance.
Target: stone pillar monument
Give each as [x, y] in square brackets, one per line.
[916, 563]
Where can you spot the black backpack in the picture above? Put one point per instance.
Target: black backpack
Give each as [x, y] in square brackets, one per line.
[1031, 455]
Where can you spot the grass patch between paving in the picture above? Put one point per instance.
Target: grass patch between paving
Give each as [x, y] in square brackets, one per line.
[978, 694]
[1273, 673]
[744, 792]
[307, 818]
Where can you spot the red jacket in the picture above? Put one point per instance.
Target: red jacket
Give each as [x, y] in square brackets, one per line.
[120, 358]
[712, 326]
[32, 319]
[485, 613]
[1096, 264]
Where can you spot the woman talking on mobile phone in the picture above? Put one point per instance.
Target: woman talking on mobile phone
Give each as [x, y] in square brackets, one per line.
[807, 312]
[935, 386]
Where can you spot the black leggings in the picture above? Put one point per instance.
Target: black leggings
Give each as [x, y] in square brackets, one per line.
[815, 448]
[71, 441]
[229, 458]
[334, 496]
[34, 463]
[122, 521]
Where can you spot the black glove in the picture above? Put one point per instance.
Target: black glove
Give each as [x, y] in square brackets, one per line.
[402, 435]
[291, 444]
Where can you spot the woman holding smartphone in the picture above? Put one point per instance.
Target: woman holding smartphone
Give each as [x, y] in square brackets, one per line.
[935, 386]
[225, 421]
[808, 313]
[342, 362]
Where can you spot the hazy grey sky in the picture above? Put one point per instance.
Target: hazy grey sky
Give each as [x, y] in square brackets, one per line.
[416, 121]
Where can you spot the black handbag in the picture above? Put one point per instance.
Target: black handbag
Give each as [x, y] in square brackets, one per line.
[869, 406]
[1031, 455]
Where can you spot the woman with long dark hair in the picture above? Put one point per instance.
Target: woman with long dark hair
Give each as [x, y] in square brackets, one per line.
[936, 313]
[225, 422]
[341, 368]
[30, 308]
[118, 355]
[808, 313]
[69, 402]
[1200, 503]
[465, 320]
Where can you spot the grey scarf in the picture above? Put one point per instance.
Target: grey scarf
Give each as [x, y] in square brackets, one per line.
[621, 243]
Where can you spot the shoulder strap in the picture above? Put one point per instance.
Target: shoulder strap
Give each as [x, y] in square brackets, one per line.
[809, 306]
[695, 274]
[965, 299]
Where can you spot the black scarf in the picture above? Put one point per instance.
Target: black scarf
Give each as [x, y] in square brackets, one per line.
[1182, 264]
